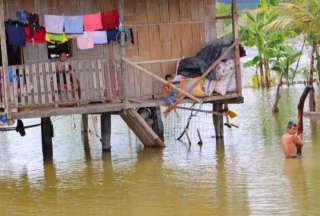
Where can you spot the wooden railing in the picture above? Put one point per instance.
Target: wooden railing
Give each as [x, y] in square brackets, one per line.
[75, 82]
[2, 95]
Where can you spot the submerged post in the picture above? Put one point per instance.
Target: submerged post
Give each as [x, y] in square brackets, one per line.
[47, 134]
[85, 136]
[106, 132]
[217, 107]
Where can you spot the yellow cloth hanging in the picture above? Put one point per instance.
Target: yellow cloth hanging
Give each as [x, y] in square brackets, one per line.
[56, 38]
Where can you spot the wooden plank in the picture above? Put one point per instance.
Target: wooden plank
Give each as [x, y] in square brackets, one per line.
[236, 50]
[186, 40]
[61, 84]
[23, 94]
[75, 83]
[174, 10]
[82, 82]
[15, 87]
[155, 53]
[35, 79]
[29, 85]
[94, 79]
[143, 131]
[101, 72]
[49, 86]
[185, 10]
[141, 12]
[196, 38]
[107, 74]
[164, 11]
[42, 87]
[68, 75]
[153, 11]
[176, 50]
[55, 74]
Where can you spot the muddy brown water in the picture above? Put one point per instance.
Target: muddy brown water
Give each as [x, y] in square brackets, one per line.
[247, 175]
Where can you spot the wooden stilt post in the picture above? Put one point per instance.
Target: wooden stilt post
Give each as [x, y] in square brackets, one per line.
[47, 134]
[143, 131]
[85, 136]
[218, 119]
[106, 132]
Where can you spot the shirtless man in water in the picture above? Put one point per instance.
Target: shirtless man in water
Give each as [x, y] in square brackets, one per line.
[290, 141]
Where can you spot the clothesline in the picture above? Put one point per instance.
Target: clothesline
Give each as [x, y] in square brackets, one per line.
[89, 30]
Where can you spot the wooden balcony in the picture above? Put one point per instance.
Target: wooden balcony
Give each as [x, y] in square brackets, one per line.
[86, 86]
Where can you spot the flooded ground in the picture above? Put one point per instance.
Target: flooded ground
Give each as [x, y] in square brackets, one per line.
[245, 176]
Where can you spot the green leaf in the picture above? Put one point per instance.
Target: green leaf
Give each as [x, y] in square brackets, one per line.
[252, 62]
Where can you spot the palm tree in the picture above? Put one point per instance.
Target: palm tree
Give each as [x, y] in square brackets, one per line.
[301, 16]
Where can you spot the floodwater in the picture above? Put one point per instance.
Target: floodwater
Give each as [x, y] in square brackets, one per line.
[247, 175]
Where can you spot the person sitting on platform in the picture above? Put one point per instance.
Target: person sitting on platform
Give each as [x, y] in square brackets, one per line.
[169, 94]
[291, 141]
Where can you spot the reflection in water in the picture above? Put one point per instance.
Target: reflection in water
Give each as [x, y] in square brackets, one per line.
[294, 171]
[245, 175]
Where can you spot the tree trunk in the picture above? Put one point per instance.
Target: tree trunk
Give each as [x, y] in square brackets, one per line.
[275, 108]
[312, 101]
[266, 73]
[262, 82]
[300, 113]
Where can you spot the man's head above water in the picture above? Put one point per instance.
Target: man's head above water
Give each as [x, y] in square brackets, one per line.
[292, 127]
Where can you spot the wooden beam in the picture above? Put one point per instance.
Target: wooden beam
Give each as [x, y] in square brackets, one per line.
[122, 46]
[106, 132]
[161, 80]
[142, 130]
[218, 120]
[4, 56]
[46, 135]
[158, 61]
[237, 49]
[85, 136]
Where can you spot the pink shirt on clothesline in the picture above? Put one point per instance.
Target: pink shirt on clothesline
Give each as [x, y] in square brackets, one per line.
[92, 22]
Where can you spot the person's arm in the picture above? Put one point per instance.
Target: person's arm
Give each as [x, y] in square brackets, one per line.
[297, 139]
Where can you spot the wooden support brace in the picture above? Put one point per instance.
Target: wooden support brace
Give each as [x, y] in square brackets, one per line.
[106, 132]
[143, 131]
[47, 134]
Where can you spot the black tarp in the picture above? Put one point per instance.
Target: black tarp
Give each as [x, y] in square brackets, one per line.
[195, 66]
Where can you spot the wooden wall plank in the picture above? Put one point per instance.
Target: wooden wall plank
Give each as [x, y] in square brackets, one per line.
[185, 10]
[174, 10]
[164, 11]
[153, 11]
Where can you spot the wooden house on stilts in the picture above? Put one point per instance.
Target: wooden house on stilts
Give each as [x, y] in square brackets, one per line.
[118, 77]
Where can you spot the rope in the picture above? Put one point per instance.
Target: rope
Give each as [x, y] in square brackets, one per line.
[14, 128]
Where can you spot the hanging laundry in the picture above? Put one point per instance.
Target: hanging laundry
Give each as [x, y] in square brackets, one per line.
[33, 20]
[110, 19]
[85, 41]
[54, 24]
[92, 22]
[20, 128]
[56, 38]
[38, 36]
[112, 35]
[22, 16]
[15, 33]
[99, 37]
[73, 24]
